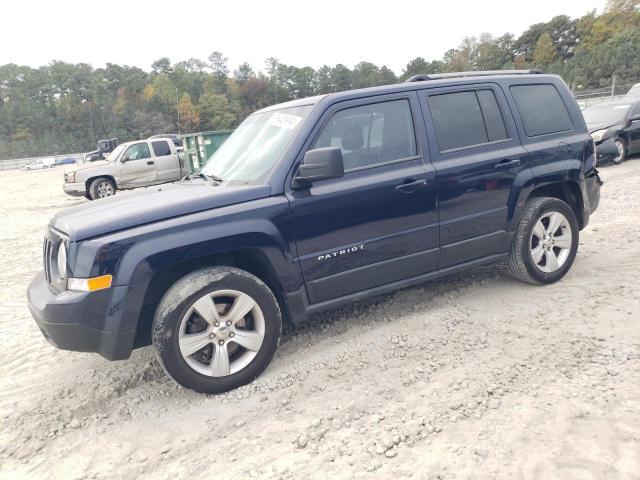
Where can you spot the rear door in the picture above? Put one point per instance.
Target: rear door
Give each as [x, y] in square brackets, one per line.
[167, 162]
[477, 156]
[377, 224]
[138, 167]
[633, 130]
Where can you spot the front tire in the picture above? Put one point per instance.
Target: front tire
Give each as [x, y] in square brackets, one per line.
[101, 188]
[216, 329]
[621, 146]
[545, 243]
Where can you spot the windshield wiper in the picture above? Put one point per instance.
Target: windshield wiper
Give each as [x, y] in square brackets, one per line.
[200, 174]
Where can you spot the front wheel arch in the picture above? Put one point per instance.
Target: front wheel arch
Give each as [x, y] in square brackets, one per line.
[88, 181]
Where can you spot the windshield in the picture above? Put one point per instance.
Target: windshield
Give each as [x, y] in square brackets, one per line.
[256, 146]
[605, 114]
[113, 156]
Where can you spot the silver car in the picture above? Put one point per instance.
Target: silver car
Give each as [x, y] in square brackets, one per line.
[130, 165]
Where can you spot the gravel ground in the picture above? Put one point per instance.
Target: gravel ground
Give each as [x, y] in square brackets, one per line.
[472, 376]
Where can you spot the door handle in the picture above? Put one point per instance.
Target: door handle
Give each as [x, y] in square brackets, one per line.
[151, 162]
[507, 164]
[412, 185]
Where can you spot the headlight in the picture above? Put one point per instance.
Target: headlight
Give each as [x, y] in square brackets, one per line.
[597, 136]
[62, 260]
[70, 177]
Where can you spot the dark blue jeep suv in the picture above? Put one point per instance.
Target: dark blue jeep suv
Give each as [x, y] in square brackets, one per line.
[319, 202]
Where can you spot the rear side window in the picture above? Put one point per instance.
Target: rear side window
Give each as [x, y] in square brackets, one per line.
[465, 119]
[541, 108]
[372, 134]
[492, 115]
[161, 148]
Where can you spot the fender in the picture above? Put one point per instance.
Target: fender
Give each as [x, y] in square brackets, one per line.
[136, 254]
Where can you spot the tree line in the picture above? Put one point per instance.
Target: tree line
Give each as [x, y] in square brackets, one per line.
[63, 107]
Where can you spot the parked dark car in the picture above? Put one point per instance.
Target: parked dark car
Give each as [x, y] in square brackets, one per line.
[615, 129]
[317, 203]
[65, 161]
[105, 147]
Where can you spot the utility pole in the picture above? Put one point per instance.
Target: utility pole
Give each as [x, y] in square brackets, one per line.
[178, 109]
[613, 86]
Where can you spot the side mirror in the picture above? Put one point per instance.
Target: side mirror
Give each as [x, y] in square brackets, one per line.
[319, 164]
[124, 158]
[634, 118]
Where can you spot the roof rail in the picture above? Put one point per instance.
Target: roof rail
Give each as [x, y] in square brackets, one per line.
[485, 73]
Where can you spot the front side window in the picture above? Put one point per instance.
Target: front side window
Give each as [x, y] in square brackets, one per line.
[138, 151]
[371, 134]
[161, 148]
[466, 119]
[541, 108]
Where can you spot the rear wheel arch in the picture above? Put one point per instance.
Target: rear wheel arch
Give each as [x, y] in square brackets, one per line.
[567, 191]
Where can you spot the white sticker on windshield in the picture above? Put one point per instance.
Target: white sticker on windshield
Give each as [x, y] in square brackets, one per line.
[284, 120]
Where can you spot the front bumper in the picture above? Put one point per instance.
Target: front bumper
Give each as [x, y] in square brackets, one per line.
[606, 151]
[77, 189]
[103, 321]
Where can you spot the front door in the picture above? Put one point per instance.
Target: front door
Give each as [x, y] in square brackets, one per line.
[477, 155]
[377, 224]
[137, 168]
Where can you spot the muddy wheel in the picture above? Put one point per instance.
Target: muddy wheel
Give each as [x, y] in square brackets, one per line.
[216, 329]
[545, 243]
[101, 188]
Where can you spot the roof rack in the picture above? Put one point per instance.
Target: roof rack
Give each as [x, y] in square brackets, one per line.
[485, 73]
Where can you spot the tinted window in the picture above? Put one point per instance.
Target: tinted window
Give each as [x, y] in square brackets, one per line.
[138, 151]
[541, 108]
[492, 116]
[371, 134]
[161, 148]
[457, 119]
[635, 110]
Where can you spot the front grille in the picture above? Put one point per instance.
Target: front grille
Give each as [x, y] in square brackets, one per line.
[47, 251]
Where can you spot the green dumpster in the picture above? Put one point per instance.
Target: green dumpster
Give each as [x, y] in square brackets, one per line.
[198, 147]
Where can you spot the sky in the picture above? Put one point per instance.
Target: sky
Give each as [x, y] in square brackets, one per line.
[297, 33]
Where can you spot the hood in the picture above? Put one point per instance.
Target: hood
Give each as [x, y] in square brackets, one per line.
[594, 127]
[151, 205]
[87, 165]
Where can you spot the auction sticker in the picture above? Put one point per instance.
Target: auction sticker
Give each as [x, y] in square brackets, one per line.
[284, 120]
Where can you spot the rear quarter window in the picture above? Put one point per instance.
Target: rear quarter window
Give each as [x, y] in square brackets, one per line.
[541, 108]
[161, 148]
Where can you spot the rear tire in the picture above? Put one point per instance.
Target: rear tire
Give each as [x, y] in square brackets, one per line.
[216, 329]
[101, 188]
[545, 243]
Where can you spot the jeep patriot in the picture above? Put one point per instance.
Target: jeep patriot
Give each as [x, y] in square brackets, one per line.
[316, 203]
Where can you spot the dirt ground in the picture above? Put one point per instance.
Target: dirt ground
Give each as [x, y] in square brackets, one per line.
[472, 376]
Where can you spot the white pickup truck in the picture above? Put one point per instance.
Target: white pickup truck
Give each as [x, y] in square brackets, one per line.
[130, 165]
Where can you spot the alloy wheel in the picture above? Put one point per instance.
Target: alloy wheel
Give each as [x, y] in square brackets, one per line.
[551, 241]
[105, 189]
[221, 333]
